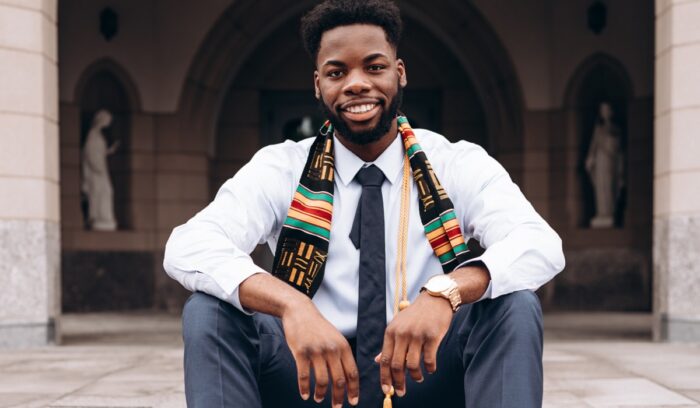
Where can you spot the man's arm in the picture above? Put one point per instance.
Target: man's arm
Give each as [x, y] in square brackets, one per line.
[416, 332]
[210, 253]
[314, 342]
[522, 253]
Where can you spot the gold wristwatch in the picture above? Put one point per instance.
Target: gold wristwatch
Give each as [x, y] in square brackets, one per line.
[446, 287]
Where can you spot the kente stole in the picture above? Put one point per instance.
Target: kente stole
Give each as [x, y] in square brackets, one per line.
[302, 247]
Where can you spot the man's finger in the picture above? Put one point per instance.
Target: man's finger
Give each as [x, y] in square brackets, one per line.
[430, 356]
[385, 363]
[337, 378]
[398, 365]
[303, 375]
[352, 375]
[413, 360]
[321, 376]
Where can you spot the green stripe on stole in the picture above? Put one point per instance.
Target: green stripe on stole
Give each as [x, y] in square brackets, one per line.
[308, 227]
[314, 196]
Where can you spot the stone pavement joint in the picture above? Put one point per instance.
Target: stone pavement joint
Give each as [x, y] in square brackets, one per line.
[134, 360]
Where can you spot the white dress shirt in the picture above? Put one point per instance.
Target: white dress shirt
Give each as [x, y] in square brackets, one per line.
[210, 253]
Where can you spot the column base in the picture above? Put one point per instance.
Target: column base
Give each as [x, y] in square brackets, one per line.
[25, 335]
[677, 329]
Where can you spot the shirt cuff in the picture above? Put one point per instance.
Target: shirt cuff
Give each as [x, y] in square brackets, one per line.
[230, 275]
[498, 258]
[236, 301]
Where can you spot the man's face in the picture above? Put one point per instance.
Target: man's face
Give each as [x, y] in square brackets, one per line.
[359, 81]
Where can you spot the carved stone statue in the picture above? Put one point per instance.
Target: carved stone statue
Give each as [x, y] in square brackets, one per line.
[306, 127]
[96, 183]
[604, 164]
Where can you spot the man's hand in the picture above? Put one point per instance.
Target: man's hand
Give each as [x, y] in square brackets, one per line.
[420, 328]
[316, 343]
[416, 330]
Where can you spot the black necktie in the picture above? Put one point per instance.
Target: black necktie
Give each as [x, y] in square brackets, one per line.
[367, 234]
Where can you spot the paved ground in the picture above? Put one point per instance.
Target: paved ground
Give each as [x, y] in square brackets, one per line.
[134, 360]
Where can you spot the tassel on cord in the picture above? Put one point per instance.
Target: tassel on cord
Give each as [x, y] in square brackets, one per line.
[387, 398]
[399, 303]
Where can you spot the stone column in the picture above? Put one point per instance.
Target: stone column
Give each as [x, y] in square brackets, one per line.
[29, 179]
[677, 171]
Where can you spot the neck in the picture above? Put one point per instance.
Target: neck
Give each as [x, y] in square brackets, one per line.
[371, 151]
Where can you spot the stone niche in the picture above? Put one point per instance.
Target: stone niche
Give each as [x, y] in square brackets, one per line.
[606, 268]
[108, 270]
[105, 91]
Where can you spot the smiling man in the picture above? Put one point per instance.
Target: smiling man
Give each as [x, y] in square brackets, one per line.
[373, 297]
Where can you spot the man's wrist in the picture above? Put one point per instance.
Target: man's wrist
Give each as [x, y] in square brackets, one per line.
[446, 287]
[473, 280]
[295, 303]
[424, 296]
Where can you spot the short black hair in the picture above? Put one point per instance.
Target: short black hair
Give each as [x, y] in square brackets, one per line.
[335, 13]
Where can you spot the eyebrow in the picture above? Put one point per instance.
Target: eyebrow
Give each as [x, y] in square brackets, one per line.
[364, 60]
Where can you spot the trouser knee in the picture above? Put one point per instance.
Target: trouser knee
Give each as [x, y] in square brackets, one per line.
[205, 319]
[520, 311]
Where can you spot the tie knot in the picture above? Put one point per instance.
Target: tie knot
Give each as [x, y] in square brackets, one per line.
[370, 176]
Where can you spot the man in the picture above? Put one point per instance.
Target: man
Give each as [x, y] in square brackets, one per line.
[352, 231]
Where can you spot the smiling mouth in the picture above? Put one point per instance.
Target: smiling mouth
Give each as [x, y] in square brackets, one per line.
[360, 108]
[361, 111]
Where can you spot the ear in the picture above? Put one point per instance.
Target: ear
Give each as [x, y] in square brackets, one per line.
[317, 89]
[401, 69]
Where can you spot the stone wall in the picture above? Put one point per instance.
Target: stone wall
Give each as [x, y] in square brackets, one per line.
[677, 172]
[29, 176]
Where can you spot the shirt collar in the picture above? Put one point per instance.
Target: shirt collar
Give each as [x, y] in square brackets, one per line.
[347, 164]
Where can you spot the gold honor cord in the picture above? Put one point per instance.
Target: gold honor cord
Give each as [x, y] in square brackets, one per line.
[401, 297]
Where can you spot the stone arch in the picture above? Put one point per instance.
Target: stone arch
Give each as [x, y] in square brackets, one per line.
[472, 40]
[114, 68]
[459, 26]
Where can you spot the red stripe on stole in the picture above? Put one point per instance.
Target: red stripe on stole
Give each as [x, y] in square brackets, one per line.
[439, 240]
[454, 232]
[315, 212]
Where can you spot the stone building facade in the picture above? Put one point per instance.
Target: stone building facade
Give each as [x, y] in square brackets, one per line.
[197, 87]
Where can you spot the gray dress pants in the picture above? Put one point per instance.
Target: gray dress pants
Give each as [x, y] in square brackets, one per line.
[491, 357]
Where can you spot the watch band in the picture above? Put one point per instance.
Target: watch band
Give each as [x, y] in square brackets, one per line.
[454, 297]
[451, 293]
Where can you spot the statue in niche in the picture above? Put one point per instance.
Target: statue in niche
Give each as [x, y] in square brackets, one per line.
[300, 128]
[96, 183]
[604, 165]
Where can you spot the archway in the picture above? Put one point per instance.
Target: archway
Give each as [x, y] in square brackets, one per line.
[458, 27]
[455, 62]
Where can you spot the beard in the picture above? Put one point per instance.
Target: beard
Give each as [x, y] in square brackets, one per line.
[370, 135]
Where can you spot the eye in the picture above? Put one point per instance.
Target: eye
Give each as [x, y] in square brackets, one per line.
[376, 67]
[336, 73]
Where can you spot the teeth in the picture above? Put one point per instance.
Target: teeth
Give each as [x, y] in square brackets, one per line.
[361, 108]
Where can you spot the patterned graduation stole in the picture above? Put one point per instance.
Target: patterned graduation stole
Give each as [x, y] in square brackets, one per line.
[302, 247]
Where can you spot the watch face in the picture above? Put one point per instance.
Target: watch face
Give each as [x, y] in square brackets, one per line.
[439, 283]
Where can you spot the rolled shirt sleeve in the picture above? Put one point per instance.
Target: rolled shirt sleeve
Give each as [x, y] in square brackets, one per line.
[210, 252]
[522, 250]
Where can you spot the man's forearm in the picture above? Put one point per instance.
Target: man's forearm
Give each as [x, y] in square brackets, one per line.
[472, 280]
[266, 294]
[315, 343]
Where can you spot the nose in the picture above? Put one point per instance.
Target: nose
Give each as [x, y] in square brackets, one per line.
[356, 83]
